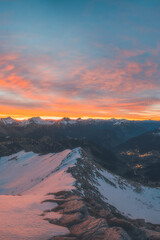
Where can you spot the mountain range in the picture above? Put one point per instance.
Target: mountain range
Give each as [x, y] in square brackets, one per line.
[79, 179]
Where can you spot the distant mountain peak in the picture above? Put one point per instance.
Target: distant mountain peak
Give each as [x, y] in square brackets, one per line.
[8, 120]
[36, 119]
[66, 121]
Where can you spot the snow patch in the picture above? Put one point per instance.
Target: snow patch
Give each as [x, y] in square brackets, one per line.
[132, 199]
[8, 121]
[25, 180]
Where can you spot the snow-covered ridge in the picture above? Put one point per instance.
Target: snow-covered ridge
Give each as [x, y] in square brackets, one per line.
[7, 121]
[67, 121]
[63, 121]
[36, 120]
[120, 122]
[25, 180]
[132, 199]
[24, 171]
[33, 176]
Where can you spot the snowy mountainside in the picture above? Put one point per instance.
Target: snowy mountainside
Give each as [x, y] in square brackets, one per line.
[27, 170]
[37, 121]
[130, 198]
[30, 173]
[108, 134]
[26, 178]
[147, 124]
[8, 121]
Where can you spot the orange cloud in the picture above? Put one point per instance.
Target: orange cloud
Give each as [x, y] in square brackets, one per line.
[105, 88]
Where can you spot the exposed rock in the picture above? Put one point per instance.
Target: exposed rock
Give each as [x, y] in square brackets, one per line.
[54, 200]
[71, 219]
[62, 194]
[86, 220]
[157, 228]
[104, 213]
[116, 233]
[74, 197]
[61, 199]
[152, 235]
[73, 206]
[90, 229]
[139, 221]
[64, 238]
[84, 174]
[137, 233]
[96, 209]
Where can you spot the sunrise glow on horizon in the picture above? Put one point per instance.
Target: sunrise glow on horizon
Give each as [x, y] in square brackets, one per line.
[80, 59]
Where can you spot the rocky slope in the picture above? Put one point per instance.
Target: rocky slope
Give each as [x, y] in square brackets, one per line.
[142, 155]
[88, 213]
[86, 219]
[106, 133]
[130, 149]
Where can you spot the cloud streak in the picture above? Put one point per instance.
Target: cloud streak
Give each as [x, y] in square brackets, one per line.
[104, 88]
[104, 62]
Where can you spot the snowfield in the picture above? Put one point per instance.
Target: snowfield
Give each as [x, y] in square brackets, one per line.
[131, 199]
[25, 179]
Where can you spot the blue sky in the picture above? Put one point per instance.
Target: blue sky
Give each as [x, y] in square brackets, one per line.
[94, 58]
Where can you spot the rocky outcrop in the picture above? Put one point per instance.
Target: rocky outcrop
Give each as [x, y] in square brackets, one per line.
[64, 238]
[152, 235]
[134, 231]
[87, 219]
[91, 228]
[116, 233]
[71, 219]
[73, 206]
[76, 216]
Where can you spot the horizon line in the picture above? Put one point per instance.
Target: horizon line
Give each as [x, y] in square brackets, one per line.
[74, 118]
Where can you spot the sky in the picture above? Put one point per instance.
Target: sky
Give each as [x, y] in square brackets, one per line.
[80, 58]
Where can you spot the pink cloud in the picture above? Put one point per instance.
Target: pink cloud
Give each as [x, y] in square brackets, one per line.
[61, 86]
